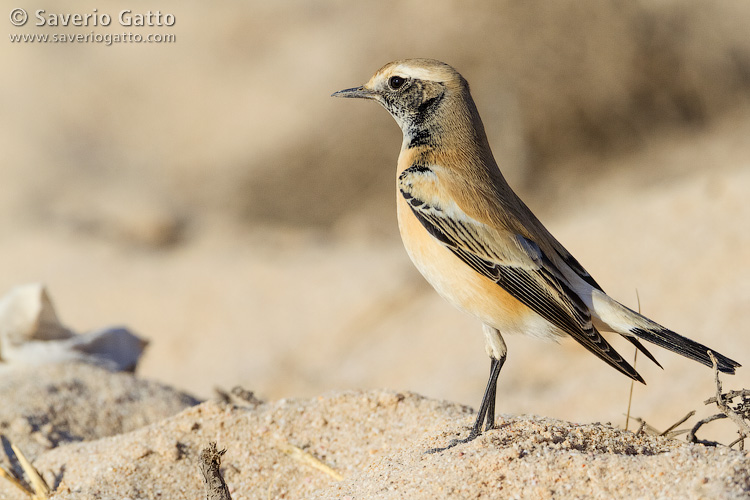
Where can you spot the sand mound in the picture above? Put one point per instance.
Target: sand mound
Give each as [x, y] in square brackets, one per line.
[536, 457]
[375, 440]
[51, 405]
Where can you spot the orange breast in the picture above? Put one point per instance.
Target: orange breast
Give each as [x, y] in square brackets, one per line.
[461, 285]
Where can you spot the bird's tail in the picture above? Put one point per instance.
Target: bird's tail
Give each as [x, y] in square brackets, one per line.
[629, 323]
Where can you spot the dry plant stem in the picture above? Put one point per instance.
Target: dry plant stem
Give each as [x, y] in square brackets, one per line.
[18, 484]
[744, 429]
[39, 485]
[222, 395]
[729, 395]
[216, 488]
[691, 435]
[302, 456]
[247, 397]
[679, 422]
[740, 440]
[641, 427]
[669, 433]
[635, 360]
[678, 432]
[644, 427]
[726, 412]
[238, 396]
[630, 397]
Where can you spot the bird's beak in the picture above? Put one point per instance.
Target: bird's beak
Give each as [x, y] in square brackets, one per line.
[356, 92]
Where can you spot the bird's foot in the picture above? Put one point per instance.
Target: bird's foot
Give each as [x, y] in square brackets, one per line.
[475, 433]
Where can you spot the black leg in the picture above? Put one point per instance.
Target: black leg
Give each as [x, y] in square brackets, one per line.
[486, 414]
[487, 407]
[490, 420]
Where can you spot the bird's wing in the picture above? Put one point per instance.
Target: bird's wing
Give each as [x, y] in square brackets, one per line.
[514, 262]
[572, 266]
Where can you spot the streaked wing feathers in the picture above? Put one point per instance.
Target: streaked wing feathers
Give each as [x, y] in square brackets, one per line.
[513, 262]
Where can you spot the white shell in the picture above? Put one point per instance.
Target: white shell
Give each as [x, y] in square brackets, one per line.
[31, 334]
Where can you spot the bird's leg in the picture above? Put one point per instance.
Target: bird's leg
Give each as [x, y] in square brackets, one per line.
[486, 408]
[486, 414]
[494, 372]
[497, 351]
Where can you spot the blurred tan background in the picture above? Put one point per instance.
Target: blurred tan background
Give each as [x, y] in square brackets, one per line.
[209, 193]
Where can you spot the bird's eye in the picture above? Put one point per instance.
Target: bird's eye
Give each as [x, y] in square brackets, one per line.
[395, 82]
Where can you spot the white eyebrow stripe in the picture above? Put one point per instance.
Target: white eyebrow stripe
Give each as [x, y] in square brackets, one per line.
[418, 73]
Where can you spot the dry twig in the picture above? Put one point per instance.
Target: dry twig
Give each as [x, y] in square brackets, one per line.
[302, 456]
[39, 489]
[671, 432]
[216, 488]
[632, 382]
[15, 481]
[740, 414]
[643, 427]
[238, 396]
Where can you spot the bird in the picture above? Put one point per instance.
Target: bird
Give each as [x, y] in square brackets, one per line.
[478, 244]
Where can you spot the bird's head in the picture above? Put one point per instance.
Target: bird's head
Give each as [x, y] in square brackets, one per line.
[414, 91]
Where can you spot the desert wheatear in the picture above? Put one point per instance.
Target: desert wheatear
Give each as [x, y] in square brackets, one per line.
[480, 246]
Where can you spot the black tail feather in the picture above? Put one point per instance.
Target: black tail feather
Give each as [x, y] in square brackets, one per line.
[643, 349]
[682, 345]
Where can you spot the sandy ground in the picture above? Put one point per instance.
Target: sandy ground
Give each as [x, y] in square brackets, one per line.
[377, 441]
